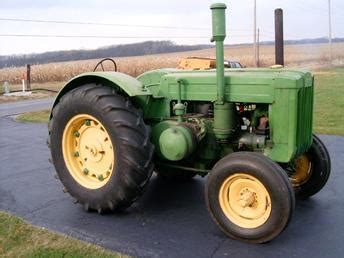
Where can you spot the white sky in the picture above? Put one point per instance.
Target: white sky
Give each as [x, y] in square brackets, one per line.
[303, 19]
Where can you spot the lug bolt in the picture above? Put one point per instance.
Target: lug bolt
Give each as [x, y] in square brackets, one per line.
[87, 122]
[100, 178]
[85, 171]
[76, 154]
[76, 134]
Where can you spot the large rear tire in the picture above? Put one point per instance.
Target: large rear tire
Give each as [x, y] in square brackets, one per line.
[100, 148]
[250, 197]
[309, 172]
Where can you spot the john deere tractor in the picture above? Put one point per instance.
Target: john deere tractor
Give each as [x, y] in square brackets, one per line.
[248, 130]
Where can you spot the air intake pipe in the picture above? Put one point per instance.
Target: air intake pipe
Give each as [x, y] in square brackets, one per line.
[219, 35]
[224, 112]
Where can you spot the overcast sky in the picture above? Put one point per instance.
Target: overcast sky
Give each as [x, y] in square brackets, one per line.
[303, 19]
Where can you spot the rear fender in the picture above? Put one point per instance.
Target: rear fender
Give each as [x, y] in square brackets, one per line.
[123, 83]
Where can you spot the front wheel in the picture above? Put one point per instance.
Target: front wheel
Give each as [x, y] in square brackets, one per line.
[250, 197]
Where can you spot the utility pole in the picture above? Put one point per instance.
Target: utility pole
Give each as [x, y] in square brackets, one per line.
[255, 33]
[258, 46]
[330, 31]
[28, 77]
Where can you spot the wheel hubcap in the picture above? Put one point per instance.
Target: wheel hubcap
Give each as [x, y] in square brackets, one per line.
[245, 201]
[88, 151]
[247, 198]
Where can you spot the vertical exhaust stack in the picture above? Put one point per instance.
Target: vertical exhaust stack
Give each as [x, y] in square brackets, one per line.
[279, 41]
[224, 112]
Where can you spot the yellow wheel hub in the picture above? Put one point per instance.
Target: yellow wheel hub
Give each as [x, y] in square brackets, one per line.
[302, 171]
[245, 201]
[88, 151]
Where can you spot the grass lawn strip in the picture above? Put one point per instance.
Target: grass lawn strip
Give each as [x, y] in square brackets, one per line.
[34, 117]
[329, 101]
[19, 239]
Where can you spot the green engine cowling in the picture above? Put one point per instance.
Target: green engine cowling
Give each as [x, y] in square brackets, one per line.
[286, 95]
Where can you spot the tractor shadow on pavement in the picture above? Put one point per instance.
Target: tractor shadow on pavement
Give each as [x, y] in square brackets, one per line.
[162, 194]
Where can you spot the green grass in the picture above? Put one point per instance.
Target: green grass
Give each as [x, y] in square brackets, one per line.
[35, 117]
[19, 239]
[328, 103]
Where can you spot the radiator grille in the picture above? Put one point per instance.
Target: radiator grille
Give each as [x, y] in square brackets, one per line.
[304, 119]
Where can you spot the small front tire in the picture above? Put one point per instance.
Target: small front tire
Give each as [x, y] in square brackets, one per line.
[250, 197]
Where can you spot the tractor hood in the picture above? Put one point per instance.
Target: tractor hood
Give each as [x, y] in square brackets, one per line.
[241, 85]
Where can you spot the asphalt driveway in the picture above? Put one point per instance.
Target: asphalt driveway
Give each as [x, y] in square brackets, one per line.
[14, 108]
[170, 220]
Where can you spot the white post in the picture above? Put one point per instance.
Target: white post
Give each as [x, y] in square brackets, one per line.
[23, 82]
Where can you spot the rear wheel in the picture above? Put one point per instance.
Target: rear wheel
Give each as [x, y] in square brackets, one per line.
[249, 197]
[100, 148]
[309, 172]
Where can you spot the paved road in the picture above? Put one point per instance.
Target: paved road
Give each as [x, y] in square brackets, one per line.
[170, 220]
[14, 108]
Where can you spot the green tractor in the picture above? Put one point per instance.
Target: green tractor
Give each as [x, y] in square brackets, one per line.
[248, 130]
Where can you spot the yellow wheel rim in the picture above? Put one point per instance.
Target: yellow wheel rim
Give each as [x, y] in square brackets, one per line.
[302, 171]
[245, 201]
[88, 151]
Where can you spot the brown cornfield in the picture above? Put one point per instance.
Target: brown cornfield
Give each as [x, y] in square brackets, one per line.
[309, 56]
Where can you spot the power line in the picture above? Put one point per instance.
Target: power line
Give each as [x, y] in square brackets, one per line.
[111, 24]
[101, 24]
[93, 36]
[110, 36]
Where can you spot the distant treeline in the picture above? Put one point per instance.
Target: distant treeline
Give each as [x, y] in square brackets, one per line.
[312, 41]
[299, 41]
[136, 49]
